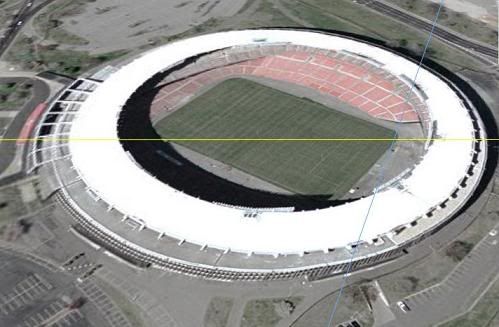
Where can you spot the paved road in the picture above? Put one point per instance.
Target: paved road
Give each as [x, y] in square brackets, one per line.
[41, 93]
[421, 24]
[28, 9]
[456, 293]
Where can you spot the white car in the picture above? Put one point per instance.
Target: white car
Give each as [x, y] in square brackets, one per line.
[19, 23]
[493, 232]
[404, 307]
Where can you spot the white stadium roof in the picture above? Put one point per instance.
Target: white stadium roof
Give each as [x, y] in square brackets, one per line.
[116, 179]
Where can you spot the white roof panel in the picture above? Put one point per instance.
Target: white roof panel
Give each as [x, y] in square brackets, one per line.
[114, 176]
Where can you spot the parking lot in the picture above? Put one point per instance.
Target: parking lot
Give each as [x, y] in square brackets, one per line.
[23, 293]
[471, 277]
[33, 295]
[106, 306]
[56, 314]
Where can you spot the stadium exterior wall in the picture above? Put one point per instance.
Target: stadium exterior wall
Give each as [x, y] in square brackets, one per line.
[403, 236]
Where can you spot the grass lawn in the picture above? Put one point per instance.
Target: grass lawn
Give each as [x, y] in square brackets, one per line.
[459, 22]
[239, 108]
[14, 95]
[326, 14]
[31, 56]
[484, 314]
[265, 312]
[352, 306]
[218, 312]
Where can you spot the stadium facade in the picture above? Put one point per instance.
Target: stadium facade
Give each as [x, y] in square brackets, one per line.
[120, 205]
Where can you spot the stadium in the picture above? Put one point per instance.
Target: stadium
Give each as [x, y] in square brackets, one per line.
[257, 154]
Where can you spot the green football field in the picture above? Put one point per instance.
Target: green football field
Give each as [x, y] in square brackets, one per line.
[239, 108]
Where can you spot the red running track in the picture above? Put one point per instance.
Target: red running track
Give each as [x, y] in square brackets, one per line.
[30, 123]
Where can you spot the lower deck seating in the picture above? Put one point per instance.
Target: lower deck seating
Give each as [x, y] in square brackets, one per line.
[351, 80]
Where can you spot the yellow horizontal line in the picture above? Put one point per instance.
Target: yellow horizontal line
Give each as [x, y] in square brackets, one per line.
[76, 139]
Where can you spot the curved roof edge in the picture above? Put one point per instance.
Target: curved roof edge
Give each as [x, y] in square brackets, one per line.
[117, 180]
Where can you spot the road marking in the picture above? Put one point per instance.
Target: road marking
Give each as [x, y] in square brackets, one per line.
[23, 293]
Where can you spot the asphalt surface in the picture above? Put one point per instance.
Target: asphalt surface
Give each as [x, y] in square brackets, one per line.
[40, 93]
[65, 262]
[456, 292]
[31, 294]
[28, 9]
[35, 293]
[452, 38]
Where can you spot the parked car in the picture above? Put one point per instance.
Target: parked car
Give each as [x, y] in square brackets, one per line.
[403, 306]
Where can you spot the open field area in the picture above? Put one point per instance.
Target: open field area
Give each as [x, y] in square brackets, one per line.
[457, 16]
[353, 306]
[218, 312]
[268, 312]
[14, 95]
[32, 56]
[75, 36]
[353, 16]
[238, 108]
[90, 25]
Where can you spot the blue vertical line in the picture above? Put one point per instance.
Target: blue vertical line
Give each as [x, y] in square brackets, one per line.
[382, 171]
